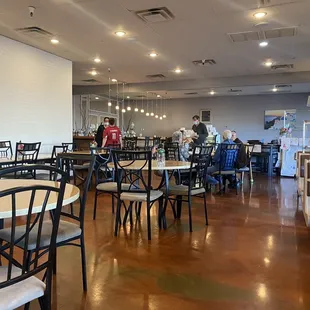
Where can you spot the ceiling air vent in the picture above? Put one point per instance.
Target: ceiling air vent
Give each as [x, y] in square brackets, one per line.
[155, 15]
[91, 81]
[155, 76]
[190, 93]
[204, 62]
[235, 90]
[280, 32]
[282, 67]
[141, 96]
[34, 32]
[244, 36]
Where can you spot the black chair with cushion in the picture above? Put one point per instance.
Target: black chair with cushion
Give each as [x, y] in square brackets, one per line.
[178, 193]
[137, 175]
[20, 281]
[71, 225]
[6, 149]
[227, 166]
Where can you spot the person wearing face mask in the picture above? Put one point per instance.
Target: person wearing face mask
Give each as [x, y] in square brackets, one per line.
[100, 130]
[201, 131]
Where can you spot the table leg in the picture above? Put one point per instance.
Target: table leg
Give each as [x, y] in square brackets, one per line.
[270, 163]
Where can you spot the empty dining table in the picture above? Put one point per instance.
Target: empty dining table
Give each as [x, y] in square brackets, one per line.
[11, 160]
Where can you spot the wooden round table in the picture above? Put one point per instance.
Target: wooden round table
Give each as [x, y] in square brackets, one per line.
[72, 193]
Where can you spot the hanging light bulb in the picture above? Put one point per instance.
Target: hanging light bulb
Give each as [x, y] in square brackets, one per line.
[142, 110]
[117, 107]
[152, 113]
[128, 108]
[123, 110]
[117, 94]
[156, 116]
[109, 102]
[147, 114]
[123, 102]
[164, 116]
[161, 118]
[136, 110]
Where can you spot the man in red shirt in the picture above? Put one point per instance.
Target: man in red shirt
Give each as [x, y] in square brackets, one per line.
[112, 136]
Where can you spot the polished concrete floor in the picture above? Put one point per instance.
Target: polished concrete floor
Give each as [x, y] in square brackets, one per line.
[255, 254]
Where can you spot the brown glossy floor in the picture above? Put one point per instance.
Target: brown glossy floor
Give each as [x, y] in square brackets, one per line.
[255, 254]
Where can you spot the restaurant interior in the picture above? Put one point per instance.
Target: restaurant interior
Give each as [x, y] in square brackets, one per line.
[155, 154]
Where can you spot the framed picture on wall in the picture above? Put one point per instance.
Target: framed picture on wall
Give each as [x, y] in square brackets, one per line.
[205, 116]
[277, 119]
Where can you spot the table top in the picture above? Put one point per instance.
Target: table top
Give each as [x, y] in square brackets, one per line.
[169, 165]
[72, 193]
[79, 153]
[11, 160]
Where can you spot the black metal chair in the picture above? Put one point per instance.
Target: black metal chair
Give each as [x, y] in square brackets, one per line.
[68, 232]
[195, 187]
[227, 166]
[6, 149]
[104, 176]
[19, 278]
[156, 141]
[130, 143]
[172, 151]
[71, 146]
[248, 149]
[137, 174]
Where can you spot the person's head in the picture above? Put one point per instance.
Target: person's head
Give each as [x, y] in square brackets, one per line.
[233, 135]
[227, 135]
[111, 121]
[106, 121]
[196, 119]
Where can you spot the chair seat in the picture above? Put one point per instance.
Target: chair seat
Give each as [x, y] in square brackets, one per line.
[133, 196]
[66, 231]
[111, 187]
[182, 190]
[81, 167]
[225, 172]
[244, 169]
[19, 294]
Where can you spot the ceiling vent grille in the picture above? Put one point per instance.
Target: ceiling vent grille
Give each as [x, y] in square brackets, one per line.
[155, 15]
[282, 67]
[204, 62]
[191, 93]
[141, 96]
[91, 81]
[235, 90]
[280, 32]
[244, 36]
[34, 32]
[155, 76]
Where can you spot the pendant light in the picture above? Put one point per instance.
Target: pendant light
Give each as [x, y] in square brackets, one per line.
[109, 102]
[156, 115]
[123, 103]
[152, 113]
[142, 110]
[128, 107]
[165, 106]
[117, 104]
[147, 105]
[136, 108]
[161, 108]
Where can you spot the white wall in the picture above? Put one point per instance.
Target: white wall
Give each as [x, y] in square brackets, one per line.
[242, 113]
[36, 95]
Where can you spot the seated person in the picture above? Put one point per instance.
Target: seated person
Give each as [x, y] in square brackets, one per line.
[243, 159]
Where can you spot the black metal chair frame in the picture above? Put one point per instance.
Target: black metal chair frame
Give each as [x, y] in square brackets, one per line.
[172, 151]
[5, 149]
[71, 146]
[200, 161]
[130, 143]
[137, 184]
[32, 266]
[103, 174]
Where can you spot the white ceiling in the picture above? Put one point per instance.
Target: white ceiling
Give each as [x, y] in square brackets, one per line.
[85, 29]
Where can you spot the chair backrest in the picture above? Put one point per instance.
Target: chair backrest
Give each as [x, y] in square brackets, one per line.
[58, 149]
[27, 153]
[6, 149]
[172, 151]
[79, 217]
[156, 141]
[71, 146]
[201, 160]
[32, 196]
[228, 156]
[135, 172]
[147, 143]
[130, 143]
[103, 156]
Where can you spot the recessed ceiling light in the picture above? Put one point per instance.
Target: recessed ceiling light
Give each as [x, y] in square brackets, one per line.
[263, 44]
[97, 98]
[120, 33]
[54, 41]
[268, 63]
[212, 92]
[274, 89]
[177, 70]
[97, 60]
[260, 15]
[109, 103]
[93, 72]
[114, 80]
[153, 54]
